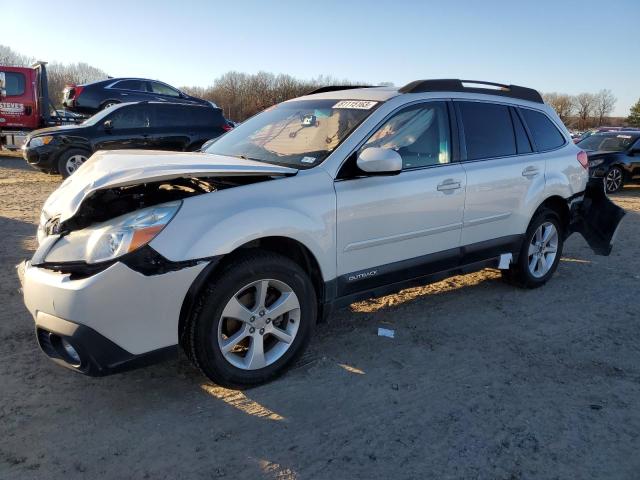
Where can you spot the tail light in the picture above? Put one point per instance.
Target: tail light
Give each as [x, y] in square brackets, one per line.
[74, 92]
[226, 127]
[583, 159]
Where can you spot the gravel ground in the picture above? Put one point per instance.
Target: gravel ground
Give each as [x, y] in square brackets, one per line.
[481, 381]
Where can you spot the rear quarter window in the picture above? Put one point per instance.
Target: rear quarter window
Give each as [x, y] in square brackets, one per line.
[545, 134]
[15, 83]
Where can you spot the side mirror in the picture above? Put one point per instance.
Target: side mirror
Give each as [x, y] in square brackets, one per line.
[380, 161]
[635, 150]
[108, 125]
[3, 85]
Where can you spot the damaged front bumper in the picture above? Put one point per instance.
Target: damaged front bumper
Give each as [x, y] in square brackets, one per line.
[114, 320]
[596, 218]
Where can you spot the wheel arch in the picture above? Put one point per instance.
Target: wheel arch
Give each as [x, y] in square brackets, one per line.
[286, 246]
[558, 205]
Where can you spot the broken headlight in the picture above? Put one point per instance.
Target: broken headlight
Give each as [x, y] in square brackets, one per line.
[113, 238]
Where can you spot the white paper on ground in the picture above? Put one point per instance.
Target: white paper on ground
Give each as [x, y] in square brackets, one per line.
[385, 332]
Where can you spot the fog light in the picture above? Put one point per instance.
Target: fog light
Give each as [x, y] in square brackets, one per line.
[71, 352]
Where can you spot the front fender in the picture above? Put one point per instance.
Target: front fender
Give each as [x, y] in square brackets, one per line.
[301, 208]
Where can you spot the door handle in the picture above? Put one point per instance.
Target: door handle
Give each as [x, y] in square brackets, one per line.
[530, 171]
[448, 185]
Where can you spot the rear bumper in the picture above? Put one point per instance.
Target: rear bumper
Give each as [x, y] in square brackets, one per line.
[596, 218]
[115, 319]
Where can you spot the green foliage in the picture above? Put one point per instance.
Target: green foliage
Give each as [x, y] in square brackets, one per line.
[634, 116]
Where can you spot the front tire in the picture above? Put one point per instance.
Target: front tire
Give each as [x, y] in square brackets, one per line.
[71, 160]
[540, 252]
[254, 318]
[614, 180]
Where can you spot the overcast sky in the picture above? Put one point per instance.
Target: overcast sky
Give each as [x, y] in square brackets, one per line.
[564, 46]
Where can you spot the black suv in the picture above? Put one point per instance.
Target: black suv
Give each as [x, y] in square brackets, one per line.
[93, 97]
[144, 125]
[614, 157]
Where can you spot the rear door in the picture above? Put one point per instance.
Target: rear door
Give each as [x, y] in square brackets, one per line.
[397, 227]
[504, 176]
[171, 125]
[127, 127]
[129, 90]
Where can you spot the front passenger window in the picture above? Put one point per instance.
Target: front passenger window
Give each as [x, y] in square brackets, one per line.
[420, 134]
[130, 118]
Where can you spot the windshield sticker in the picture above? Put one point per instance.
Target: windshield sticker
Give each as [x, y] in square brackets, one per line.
[308, 159]
[355, 104]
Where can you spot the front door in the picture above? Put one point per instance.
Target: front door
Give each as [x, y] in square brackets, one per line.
[127, 127]
[397, 227]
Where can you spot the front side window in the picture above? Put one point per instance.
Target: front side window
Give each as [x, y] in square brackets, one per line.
[162, 89]
[545, 134]
[15, 83]
[488, 130]
[136, 85]
[420, 134]
[299, 133]
[130, 117]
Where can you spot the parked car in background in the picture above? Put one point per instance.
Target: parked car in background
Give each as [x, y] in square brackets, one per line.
[593, 131]
[314, 203]
[92, 97]
[144, 125]
[614, 157]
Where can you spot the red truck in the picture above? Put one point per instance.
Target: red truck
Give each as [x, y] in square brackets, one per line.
[25, 104]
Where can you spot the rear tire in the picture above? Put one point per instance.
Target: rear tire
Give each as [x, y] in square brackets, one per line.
[71, 160]
[539, 256]
[233, 339]
[108, 104]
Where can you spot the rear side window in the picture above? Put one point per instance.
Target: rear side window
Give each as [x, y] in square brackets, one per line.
[14, 83]
[488, 130]
[206, 117]
[171, 116]
[181, 116]
[137, 85]
[163, 89]
[522, 140]
[545, 134]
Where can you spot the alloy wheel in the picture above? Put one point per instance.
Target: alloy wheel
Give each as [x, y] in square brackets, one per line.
[259, 324]
[613, 180]
[74, 162]
[543, 249]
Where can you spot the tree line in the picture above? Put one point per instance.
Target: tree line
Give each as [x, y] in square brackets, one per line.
[242, 95]
[584, 110]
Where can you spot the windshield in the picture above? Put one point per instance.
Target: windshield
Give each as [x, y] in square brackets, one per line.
[608, 142]
[101, 115]
[299, 134]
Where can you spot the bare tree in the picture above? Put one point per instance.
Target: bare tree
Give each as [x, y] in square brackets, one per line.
[12, 58]
[242, 95]
[563, 104]
[585, 104]
[604, 103]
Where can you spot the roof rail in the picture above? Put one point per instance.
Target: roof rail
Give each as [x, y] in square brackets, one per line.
[455, 85]
[335, 88]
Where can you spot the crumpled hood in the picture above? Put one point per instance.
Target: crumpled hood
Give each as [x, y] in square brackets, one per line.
[108, 169]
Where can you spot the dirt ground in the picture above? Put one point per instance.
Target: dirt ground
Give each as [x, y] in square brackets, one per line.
[482, 381]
